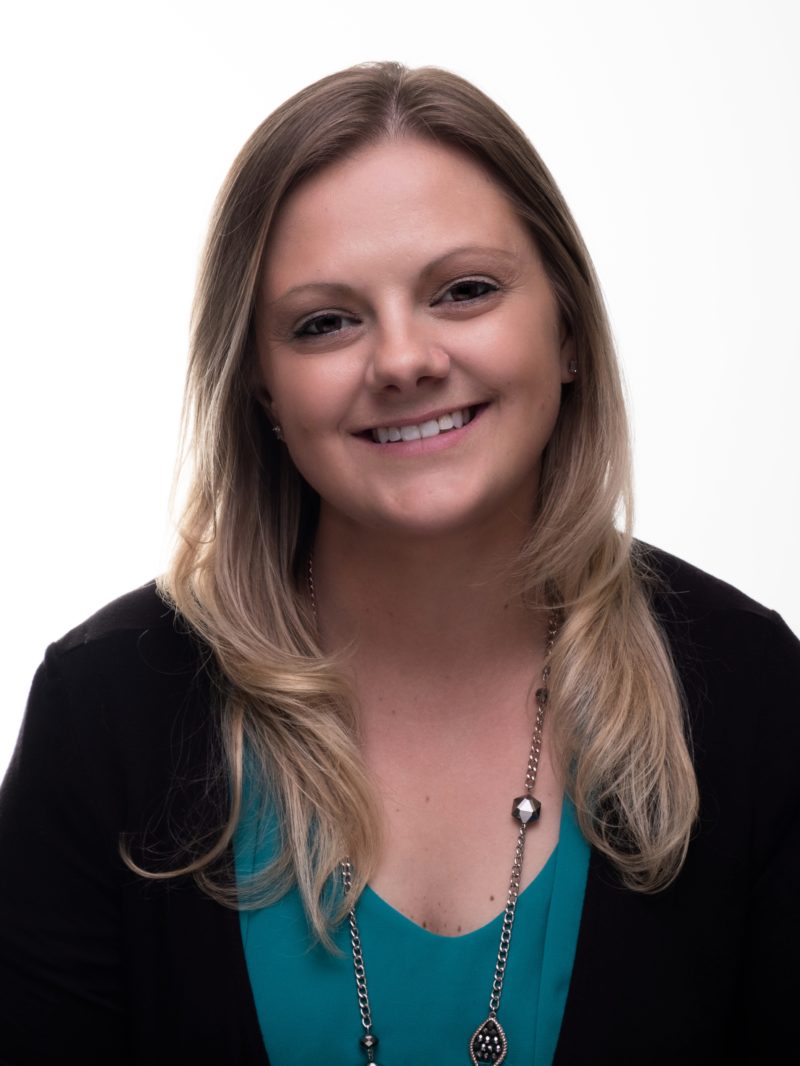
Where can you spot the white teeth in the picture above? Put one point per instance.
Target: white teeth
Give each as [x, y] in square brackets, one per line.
[432, 428]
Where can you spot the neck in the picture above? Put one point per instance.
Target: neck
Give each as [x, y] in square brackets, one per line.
[422, 601]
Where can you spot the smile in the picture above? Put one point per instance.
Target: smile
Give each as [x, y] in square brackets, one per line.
[431, 428]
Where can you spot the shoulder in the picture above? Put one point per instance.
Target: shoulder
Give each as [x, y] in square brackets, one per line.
[122, 712]
[678, 586]
[136, 652]
[142, 611]
[143, 607]
[737, 660]
[739, 665]
[135, 638]
[708, 621]
[127, 686]
[138, 637]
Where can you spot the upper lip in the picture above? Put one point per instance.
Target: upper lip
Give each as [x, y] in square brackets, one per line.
[415, 420]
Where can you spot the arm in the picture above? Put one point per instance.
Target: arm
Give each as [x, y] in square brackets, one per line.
[60, 942]
[772, 785]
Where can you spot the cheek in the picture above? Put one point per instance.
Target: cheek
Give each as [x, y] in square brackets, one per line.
[529, 374]
[294, 393]
[306, 393]
[521, 348]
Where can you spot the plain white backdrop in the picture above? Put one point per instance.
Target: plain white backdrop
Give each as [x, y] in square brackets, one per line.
[672, 129]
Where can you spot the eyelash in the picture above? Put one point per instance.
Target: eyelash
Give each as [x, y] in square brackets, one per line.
[490, 287]
[302, 331]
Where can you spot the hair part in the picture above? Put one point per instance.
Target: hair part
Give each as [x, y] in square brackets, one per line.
[244, 536]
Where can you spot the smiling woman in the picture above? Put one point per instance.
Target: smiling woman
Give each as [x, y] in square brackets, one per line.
[409, 685]
[451, 312]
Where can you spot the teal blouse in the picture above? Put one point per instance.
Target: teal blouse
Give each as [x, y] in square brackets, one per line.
[428, 993]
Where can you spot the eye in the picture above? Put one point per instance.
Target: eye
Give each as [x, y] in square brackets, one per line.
[324, 324]
[467, 290]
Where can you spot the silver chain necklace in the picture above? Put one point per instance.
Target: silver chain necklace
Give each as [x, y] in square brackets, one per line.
[488, 1044]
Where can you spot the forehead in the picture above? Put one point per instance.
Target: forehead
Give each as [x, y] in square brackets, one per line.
[401, 202]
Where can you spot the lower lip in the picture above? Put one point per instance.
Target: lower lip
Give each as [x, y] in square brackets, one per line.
[426, 445]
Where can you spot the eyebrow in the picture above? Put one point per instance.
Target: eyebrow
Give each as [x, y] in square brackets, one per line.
[329, 288]
[337, 289]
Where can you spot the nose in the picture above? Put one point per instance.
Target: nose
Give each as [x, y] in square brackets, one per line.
[405, 356]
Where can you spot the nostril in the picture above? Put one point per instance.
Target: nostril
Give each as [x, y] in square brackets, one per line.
[400, 364]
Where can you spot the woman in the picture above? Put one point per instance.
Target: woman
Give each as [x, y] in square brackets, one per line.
[405, 689]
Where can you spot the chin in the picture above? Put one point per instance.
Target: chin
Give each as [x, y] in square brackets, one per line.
[433, 508]
[434, 521]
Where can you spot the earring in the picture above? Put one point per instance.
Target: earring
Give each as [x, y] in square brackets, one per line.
[573, 366]
[276, 429]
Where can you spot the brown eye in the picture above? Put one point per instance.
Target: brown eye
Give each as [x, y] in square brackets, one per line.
[323, 325]
[468, 289]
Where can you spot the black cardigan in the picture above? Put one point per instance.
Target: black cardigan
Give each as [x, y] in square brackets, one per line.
[98, 966]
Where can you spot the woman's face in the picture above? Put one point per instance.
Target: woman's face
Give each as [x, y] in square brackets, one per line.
[410, 345]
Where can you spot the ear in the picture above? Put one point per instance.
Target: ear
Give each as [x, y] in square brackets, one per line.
[257, 374]
[267, 404]
[262, 395]
[568, 358]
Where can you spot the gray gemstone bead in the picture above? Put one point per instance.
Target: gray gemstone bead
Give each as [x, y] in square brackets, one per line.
[526, 809]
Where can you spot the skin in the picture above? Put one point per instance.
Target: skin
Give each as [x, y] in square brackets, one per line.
[399, 284]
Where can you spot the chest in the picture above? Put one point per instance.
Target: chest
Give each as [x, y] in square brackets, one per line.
[449, 838]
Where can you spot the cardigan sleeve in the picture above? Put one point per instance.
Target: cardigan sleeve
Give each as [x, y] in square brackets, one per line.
[771, 784]
[99, 965]
[704, 971]
[61, 994]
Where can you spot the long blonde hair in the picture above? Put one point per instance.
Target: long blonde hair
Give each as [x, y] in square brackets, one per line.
[236, 576]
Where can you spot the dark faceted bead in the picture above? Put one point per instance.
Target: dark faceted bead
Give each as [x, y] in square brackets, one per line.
[369, 1040]
[541, 696]
[526, 809]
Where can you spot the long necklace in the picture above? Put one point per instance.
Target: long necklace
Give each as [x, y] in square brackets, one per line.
[488, 1044]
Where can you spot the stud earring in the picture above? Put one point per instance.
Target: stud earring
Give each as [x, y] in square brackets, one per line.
[276, 429]
[573, 366]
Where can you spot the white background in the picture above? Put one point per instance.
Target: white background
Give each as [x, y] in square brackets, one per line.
[672, 129]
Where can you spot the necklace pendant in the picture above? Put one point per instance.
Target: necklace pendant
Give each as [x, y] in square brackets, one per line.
[488, 1043]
